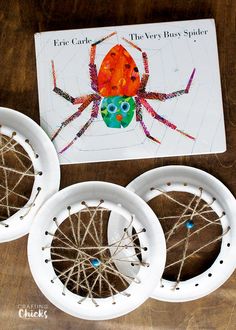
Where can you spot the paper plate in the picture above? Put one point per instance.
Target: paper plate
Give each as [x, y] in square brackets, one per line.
[20, 129]
[191, 180]
[87, 286]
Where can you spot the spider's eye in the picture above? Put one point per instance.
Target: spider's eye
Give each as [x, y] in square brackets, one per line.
[125, 106]
[112, 108]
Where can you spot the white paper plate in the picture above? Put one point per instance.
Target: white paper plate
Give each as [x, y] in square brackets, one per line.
[174, 178]
[127, 205]
[44, 159]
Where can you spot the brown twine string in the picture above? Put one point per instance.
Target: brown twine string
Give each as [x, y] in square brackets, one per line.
[183, 205]
[199, 249]
[194, 233]
[8, 142]
[187, 240]
[82, 262]
[181, 219]
[9, 145]
[178, 222]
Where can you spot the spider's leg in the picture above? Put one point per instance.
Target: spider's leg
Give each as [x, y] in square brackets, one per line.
[145, 76]
[76, 114]
[92, 65]
[139, 118]
[164, 121]
[94, 115]
[59, 91]
[162, 96]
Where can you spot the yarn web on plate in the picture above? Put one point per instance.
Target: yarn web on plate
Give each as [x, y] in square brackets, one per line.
[84, 261]
[193, 232]
[17, 177]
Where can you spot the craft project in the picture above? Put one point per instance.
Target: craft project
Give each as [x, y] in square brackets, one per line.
[72, 262]
[197, 214]
[102, 91]
[29, 172]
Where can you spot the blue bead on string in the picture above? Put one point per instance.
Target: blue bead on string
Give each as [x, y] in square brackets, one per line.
[189, 224]
[95, 262]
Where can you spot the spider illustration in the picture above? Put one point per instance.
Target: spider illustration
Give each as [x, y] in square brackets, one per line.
[119, 92]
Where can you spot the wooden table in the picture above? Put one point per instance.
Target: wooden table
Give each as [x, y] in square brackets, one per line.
[19, 20]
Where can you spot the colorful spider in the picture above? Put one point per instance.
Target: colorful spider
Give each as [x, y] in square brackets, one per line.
[120, 90]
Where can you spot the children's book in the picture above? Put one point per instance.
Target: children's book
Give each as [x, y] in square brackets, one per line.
[129, 92]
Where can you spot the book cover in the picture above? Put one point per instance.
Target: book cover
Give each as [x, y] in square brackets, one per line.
[129, 92]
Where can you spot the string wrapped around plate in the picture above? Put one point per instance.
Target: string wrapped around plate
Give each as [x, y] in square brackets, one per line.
[74, 265]
[29, 172]
[197, 215]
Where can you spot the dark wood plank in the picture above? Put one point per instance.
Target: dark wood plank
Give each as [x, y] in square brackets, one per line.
[19, 20]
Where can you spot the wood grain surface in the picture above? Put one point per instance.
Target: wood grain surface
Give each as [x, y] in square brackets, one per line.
[19, 20]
